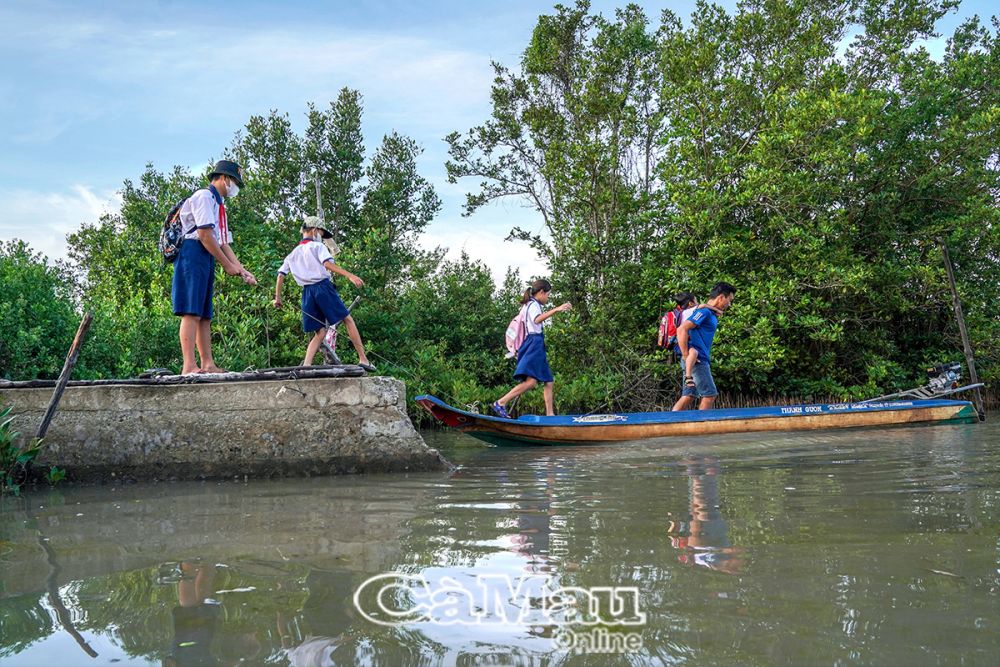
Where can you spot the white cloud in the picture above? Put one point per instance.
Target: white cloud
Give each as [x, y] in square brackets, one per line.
[43, 219]
[200, 74]
[488, 246]
[177, 83]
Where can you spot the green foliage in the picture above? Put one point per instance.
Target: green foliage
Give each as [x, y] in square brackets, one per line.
[16, 459]
[437, 324]
[334, 147]
[751, 147]
[815, 171]
[54, 475]
[36, 314]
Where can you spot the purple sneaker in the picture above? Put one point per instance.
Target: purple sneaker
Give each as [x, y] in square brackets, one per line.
[500, 410]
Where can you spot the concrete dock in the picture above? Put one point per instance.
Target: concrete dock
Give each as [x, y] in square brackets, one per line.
[217, 430]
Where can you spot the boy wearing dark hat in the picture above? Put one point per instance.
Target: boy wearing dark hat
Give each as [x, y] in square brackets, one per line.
[206, 241]
[322, 306]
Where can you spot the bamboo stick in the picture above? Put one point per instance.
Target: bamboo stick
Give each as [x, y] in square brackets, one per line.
[67, 370]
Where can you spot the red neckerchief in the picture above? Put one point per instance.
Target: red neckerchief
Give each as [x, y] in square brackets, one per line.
[305, 241]
[223, 225]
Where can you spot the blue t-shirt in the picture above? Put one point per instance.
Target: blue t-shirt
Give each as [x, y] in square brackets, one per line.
[700, 338]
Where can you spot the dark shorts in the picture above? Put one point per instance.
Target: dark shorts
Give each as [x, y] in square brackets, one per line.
[194, 281]
[532, 361]
[321, 306]
[704, 385]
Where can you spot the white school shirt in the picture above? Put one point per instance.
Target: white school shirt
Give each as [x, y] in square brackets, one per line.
[686, 314]
[305, 263]
[534, 309]
[204, 210]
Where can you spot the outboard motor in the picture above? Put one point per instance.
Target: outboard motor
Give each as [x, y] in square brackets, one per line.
[944, 377]
[943, 380]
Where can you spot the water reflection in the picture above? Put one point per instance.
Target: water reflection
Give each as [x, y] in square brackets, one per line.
[875, 547]
[317, 634]
[703, 538]
[535, 516]
[196, 620]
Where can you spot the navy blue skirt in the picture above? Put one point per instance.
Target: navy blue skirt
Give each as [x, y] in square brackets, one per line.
[321, 306]
[532, 361]
[194, 281]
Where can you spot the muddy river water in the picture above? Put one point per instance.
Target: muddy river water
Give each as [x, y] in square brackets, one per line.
[877, 547]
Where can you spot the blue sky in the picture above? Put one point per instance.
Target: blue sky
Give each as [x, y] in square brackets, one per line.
[92, 91]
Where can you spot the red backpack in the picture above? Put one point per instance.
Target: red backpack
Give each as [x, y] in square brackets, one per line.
[667, 336]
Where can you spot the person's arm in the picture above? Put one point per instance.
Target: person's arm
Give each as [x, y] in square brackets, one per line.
[228, 252]
[330, 266]
[277, 290]
[207, 239]
[549, 313]
[683, 334]
[248, 277]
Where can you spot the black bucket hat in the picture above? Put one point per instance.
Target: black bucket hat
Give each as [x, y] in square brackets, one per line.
[228, 168]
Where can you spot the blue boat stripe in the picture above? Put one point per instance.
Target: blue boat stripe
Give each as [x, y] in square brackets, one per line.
[709, 415]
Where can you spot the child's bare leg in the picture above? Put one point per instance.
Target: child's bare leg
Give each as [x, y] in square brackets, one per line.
[313, 347]
[522, 387]
[204, 341]
[188, 335]
[548, 392]
[355, 336]
[690, 361]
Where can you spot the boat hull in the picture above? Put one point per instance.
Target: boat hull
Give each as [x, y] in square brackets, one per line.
[571, 430]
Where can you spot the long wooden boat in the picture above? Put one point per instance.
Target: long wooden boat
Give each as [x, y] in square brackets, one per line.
[578, 429]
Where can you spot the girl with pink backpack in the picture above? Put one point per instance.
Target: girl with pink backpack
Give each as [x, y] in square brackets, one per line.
[532, 361]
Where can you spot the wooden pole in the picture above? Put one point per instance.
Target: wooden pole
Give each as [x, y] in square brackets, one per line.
[970, 360]
[67, 370]
[62, 613]
[55, 599]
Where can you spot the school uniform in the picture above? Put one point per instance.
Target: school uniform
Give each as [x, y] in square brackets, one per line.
[193, 285]
[532, 360]
[321, 302]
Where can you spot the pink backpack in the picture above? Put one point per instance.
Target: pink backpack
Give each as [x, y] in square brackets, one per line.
[517, 331]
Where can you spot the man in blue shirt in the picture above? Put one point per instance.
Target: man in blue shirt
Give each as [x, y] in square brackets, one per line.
[698, 332]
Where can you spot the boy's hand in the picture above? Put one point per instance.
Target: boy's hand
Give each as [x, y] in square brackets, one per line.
[566, 306]
[357, 282]
[276, 303]
[248, 277]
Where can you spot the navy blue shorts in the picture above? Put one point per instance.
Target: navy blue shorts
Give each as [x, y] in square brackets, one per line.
[194, 281]
[704, 385]
[321, 306]
[532, 362]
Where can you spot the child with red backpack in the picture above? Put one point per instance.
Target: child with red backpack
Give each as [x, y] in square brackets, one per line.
[532, 361]
[667, 337]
